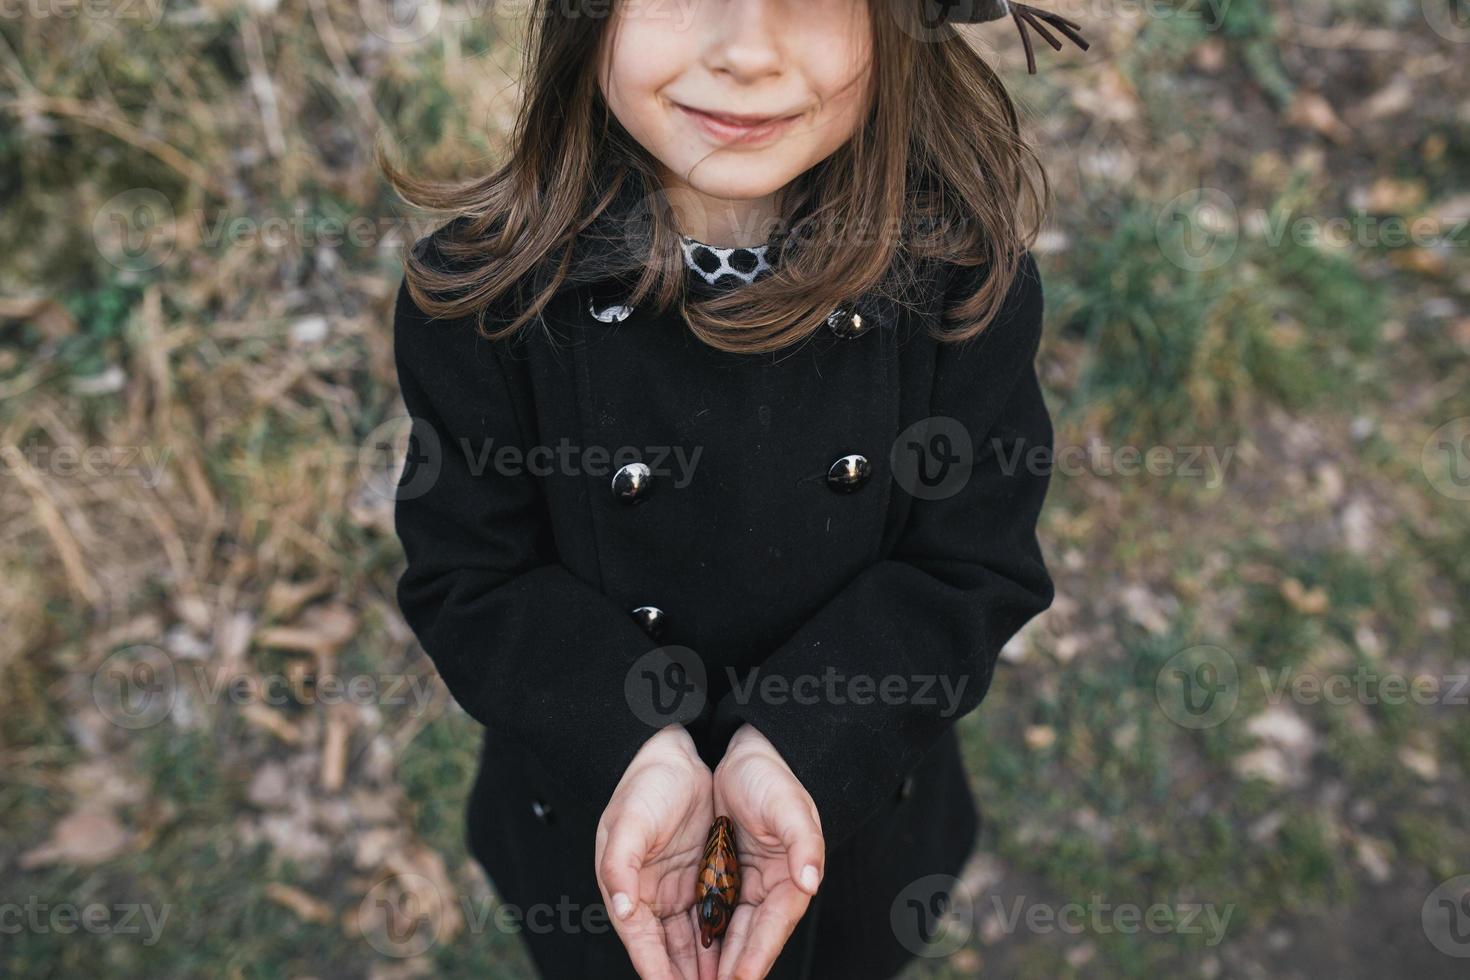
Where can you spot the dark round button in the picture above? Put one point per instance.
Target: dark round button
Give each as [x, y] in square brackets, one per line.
[651, 618]
[542, 810]
[631, 483]
[846, 322]
[849, 473]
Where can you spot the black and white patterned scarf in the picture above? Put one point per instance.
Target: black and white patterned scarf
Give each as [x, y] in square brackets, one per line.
[719, 266]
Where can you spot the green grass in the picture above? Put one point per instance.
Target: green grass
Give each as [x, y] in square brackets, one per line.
[1187, 351]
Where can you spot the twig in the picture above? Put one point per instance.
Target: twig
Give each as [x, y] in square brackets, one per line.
[265, 89]
[101, 118]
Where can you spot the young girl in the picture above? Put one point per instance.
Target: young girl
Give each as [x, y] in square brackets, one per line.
[728, 451]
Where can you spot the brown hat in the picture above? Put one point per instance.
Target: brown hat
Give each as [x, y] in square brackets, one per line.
[1025, 15]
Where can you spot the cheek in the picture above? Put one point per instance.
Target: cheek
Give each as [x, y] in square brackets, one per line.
[837, 63]
[641, 56]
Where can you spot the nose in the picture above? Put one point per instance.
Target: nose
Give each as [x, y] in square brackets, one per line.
[743, 38]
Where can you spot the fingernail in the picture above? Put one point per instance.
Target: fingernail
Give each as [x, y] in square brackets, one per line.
[810, 877]
[622, 905]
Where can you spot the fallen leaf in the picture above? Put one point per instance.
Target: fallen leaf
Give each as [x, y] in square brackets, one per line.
[1284, 728]
[1420, 762]
[1373, 859]
[272, 721]
[1390, 100]
[284, 599]
[1310, 110]
[1389, 195]
[82, 838]
[1267, 764]
[306, 907]
[322, 631]
[1040, 737]
[334, 749]
[1309, 602]
[50, 317]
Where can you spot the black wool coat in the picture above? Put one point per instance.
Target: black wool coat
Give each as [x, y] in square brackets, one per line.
[868, 598]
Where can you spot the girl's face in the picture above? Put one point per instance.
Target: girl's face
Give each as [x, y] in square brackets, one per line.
[735, 98]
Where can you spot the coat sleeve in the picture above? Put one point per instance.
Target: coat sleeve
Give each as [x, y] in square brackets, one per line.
[966, 574]
[532, 652]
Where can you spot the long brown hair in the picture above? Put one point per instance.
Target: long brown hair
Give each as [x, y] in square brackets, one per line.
[939, 157]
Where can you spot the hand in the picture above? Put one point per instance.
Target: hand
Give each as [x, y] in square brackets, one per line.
[778, 839]
[650, 840]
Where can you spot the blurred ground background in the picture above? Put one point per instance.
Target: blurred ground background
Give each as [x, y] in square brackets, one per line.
[1244, 719]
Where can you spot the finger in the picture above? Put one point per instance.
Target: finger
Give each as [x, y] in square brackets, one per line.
[619, 862]
[682, 945]
[708, 960]
[734, 940]
[775, 919]
[796, 824]
[642, 934]
[622, 850]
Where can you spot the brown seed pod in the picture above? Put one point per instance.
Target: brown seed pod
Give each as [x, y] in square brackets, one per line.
[718, 887]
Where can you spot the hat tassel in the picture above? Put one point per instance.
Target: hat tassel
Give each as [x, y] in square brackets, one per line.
[1037, 19]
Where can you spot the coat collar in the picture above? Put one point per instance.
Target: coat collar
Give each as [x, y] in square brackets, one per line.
[607, 256]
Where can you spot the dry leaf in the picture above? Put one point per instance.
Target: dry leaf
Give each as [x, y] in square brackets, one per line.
[334, 749]
[1420, 762]
[1040, 737]
[285, 599]
[1209, 55]
[268, 787]
[232, 639]
[272, 721]
[50, 317]
[80, 839]
[321, 631]
[1309, 602]
[1390, 100]
[1389, 195]
[1421, 261]
[1311, 111]
[1267, 764]
[1146, 608]
[1284, 728]
[1373, 859]
[305, 906]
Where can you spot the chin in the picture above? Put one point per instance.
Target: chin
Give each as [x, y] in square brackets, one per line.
[739, 178]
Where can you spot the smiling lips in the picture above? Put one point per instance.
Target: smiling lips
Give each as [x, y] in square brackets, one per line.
[733, 128]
